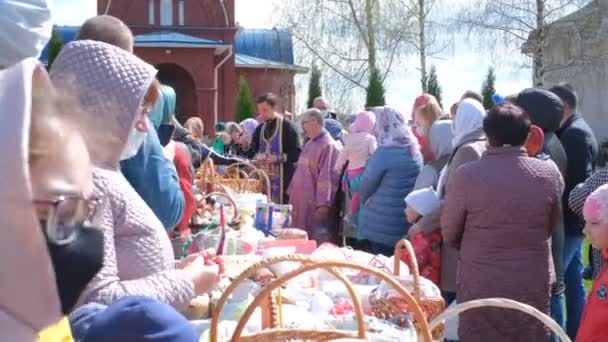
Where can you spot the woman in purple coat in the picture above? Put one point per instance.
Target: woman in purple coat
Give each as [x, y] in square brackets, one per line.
[499, 214]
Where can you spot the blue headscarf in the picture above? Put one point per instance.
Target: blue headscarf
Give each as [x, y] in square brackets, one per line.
[164, 110]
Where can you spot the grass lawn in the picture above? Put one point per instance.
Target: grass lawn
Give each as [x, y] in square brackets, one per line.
[586, 262]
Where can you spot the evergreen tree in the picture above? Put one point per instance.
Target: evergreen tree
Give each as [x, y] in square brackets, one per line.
[375, 90]
[487, 89]
[314, 87]
[432, 85]
[55, 46]
[245, 107]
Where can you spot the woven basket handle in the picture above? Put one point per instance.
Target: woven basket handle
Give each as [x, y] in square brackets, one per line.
[263, 177]
[500, 303]
[267, 292]
[249, 272]
[225, 195]
[238, 165]
[308, 265]
[399, 247]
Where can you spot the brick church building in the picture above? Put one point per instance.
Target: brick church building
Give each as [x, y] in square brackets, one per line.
[201, 52]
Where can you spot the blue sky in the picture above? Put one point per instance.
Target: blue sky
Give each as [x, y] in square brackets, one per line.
[463, 66]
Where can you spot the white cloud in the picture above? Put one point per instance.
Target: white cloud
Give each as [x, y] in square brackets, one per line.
[73, 12]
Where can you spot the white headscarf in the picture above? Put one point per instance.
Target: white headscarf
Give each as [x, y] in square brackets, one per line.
[440, 138]
[25, 28]
[28, 293]
[469, 119]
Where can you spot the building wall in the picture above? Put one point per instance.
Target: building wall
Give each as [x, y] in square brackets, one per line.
[576, 52]
[203, 19]
[199, 65]
[279, 82]
[207, 13]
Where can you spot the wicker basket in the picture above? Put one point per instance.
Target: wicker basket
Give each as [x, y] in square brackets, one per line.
[500, 303]
[233, 177]
[268, 305]
[389, 308]
[201, 206]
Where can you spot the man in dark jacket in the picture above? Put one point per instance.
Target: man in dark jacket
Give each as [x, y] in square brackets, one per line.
[546, 111]
[200, 151]
[582, 149]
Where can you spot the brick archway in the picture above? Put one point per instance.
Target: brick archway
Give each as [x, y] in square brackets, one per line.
[183, 83]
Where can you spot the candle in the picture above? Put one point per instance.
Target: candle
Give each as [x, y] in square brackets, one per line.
[280, 304]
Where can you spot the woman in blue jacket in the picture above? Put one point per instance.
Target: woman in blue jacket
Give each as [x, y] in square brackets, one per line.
[388, 178]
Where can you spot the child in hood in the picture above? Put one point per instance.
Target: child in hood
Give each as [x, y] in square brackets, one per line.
[427, 247]
[594, 323]
[359, 145]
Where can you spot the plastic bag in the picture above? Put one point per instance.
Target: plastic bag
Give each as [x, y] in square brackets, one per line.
[383, 331]
[246, 202]
[427, 288]
[306, 280]
[211, 239]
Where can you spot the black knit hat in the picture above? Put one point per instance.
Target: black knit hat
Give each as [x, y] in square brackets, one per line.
[544, 108]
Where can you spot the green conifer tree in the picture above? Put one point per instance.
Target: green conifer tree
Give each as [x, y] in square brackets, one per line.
[55, 46]
[245, 107]
[487, 89]
[375, 90]
[314, 87]
[432, 86]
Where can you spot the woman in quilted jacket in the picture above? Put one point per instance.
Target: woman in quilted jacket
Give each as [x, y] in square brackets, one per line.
[116, 90]
[499, 214]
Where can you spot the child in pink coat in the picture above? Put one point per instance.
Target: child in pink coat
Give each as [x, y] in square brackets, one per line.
[594, 323]
[359, 145]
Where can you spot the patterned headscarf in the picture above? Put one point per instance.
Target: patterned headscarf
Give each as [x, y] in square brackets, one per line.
[391, 128]
[249, 126]
[596, 205]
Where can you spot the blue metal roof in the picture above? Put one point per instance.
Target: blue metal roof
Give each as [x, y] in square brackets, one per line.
[269, 44]
[170, 37]
[269, 48]
[246, 61]
[67, 33]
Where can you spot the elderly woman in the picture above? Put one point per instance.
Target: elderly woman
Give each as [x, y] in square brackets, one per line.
[46, 193]
[389, 176]
[499, 213]
[138, 258]
[440, 144]
[468, 144]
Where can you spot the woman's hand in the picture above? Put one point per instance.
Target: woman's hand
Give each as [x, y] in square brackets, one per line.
[204, 277]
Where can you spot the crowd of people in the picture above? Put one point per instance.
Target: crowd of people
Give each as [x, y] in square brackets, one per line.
[99, 176]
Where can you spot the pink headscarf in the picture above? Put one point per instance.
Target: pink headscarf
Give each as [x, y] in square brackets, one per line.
[364, 122]
[596, 205]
